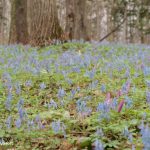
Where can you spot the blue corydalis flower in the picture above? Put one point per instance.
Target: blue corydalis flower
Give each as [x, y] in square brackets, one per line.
[128, 102]
[28, 83]
[72, 93]
[114, 103]
[145, 132]
[76, 69]
[93, 85]
[18, 123]
[52, 104]
[8, 122]
[42, 86]
[18, 88]
[22, 113]
[9, 97]
[37, 118]
[103, 88]
[58, 127]
[61, 93]
[127, 134]
[148, 97]
[6, 77]
[82, 108]
[103, 107]
[90, 74]
[148, 83]
[127, 73]
[20, 103]
[146, 71]
[8, 104]
[105, 116]
[30, 124]
[99, 133]
[39, 122]
[98, 145]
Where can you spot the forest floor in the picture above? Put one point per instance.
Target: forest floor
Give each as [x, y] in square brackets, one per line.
[75, 96]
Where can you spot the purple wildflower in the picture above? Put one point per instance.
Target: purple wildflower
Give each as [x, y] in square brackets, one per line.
[52, 104]
[61, 93]
[20, 103]
[58, 127]
[30, 124]
[148, 97]
[8, 122]
[103, 88]
[39, 122]
[42, 86]
[145, 132]
[28, 83]
[120, 106]
[98, 145]
[82, 108]
[18, 88]
[18, 123]
[103, 107]
[128, 102]
[99, 133]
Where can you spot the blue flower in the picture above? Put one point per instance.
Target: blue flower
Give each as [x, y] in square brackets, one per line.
[103, 88]
[20, 103]
[146, 71]
[125, 132]
[99, 133]
[52, 104]
[98, 145]
[28, 83]
[8, 105]
[18, 123]
[30, 124]
[146, 137]
[73, 92]
[93, 85]
[82, 108]
[61, 93]
[148, 83]
[8, 122]
[128, 102]
[90, 73]
[38, 122]
[42, 86]
[18, 88]
[103, 107]
[114, 103]
[58, 127]
[148, 97]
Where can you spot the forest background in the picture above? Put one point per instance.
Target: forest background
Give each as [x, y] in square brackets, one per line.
[39, 22]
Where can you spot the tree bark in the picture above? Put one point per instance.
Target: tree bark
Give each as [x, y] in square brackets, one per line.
[76, 19]
[19, 26]
[43, 22]
[5, 20]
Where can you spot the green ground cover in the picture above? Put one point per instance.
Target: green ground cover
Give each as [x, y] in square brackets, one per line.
[75, 96]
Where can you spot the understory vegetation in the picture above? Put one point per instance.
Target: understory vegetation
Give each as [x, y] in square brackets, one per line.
[75, 96]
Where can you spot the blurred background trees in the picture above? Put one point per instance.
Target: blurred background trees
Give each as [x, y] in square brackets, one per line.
[38, 22]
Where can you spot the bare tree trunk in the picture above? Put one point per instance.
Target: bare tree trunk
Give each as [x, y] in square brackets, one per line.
[76, 19]
[43, 22]
[19, 26]
[5, 20]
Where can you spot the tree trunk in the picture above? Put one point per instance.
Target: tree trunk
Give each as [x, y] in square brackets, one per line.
[19, 26]
[5, 20]
[76, 19]
[43, 22]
